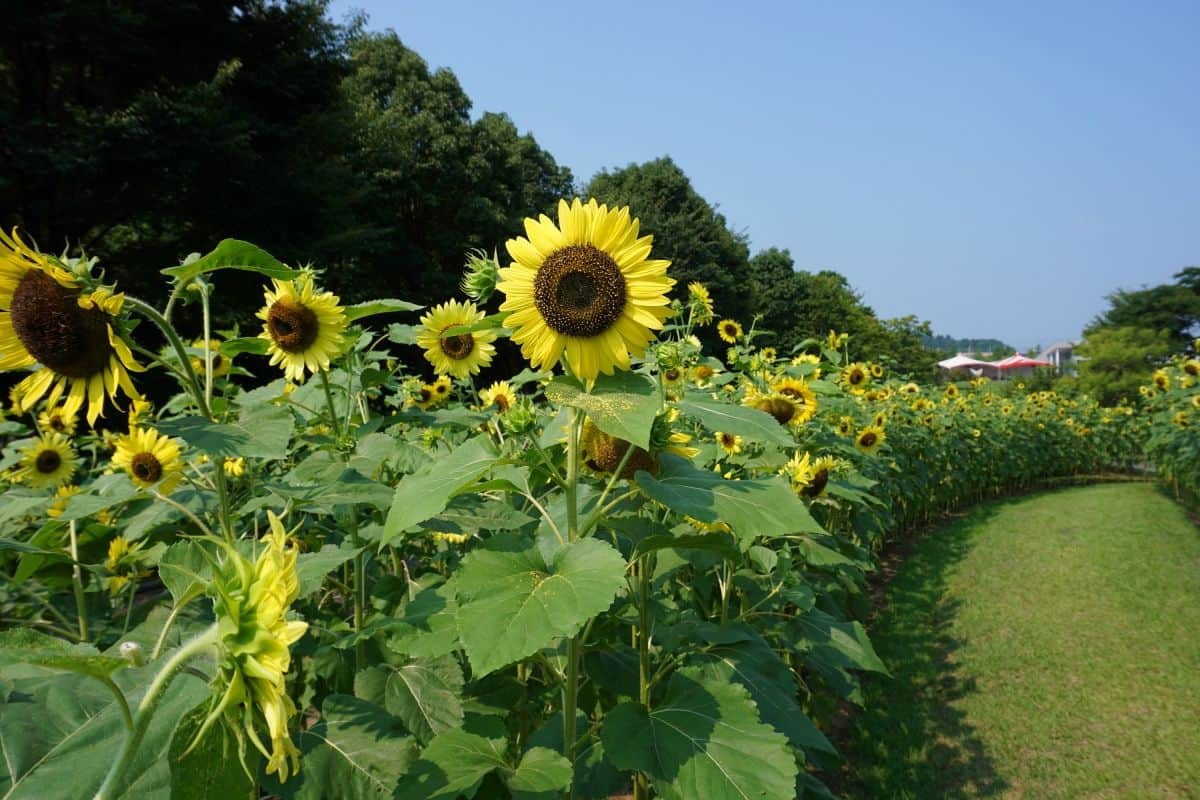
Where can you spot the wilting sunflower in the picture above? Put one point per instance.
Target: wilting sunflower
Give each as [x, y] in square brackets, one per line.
[251, 601]
[855, 377]
[731, 443]
[47, 319]
[798, 392]
[151, 459]
[50, 461]
[500, 394]
[701, 303]
[460, 355]
[585, 287]
[869, 439]
[729, 330]
[57, 420]
[303, 327]
[220, 364]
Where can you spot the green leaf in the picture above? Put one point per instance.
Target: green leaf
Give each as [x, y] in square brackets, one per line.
[17, 506]
[427, 492]
[27, 646]
[430, 624]
[453, 764]
[184, 570]
[384, 306]
[356, 751]
[622, 405]
[721, 543]
[755, 425]
[311, 568]
[255, 345]
[753, 508]
[208, 772]
[424, 694]
[22, 547]
[105, 492]
[233, 254]
[703, 740]
[512, 603]
[262, 431]
[541, 771]
[839, 643]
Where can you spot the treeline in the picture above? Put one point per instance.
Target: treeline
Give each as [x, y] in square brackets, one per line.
[142, 135]
[949, 344]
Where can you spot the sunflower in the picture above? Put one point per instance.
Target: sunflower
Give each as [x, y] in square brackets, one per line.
[701, 303]
[234, 467]
[1162, 380]
[869, 439]
[1191, 367]
[220, 364]
[450, 538]
[47, 319]
[798, 392]
[822, 468]
[672, 378]
[808, 358]
[585, 287]
[50, 461]
[785, 409]
[500, 394]
[303, 327]
[845, 426]
[441, 388]
[57, 420]
[1181, 419]
[423, 397]
[879, 420]
[729, 330]
[1196, 400]
[62, 496]
[731, 443]
[855, 377]
[876, 371]
[702, 374]
[910, 388]
[952, 392]
[459, 355]
[768, 354]
[151, 459]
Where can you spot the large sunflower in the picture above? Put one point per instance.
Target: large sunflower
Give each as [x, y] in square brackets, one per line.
[48, 462]
[460, 355]
[303, 327]
[151, 459]
[585, 287]
[47, 319]
[801, 395]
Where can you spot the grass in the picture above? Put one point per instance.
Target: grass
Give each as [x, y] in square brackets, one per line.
[1046, 647]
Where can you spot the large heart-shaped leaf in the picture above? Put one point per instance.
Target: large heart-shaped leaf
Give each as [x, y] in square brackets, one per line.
[622, 405]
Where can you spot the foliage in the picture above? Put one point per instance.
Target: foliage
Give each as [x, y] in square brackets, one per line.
[1173, 308]
[1114, 362]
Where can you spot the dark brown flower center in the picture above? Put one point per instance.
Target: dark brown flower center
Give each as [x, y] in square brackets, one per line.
[52, 328]
[48, 461]
[501, 402]
[780, 408]
[425, 394]
[293, 327]
[856, 377]
[704, 372]
[730, 331]
[579, 291]
[56, 423]
[457, 347]
[819, 481]
[672, 375]
[145, 467]
[728, 440]
[868, 439]
[607, 451]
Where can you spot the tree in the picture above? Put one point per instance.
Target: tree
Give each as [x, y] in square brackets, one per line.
[686, 228]
[1171, 307]
[1115, 361]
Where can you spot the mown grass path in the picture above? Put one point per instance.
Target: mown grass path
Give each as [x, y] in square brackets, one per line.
[1044, 647]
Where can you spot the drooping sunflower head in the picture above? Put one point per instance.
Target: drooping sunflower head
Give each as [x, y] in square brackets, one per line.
[801, 395]
[700, 303]
[48, 462]
[798, 470]
[869, 439]
[151, 459]
[250, 602]
[731, 443]
[585, 287]
[460, 354]
[304, 328]
[822, 469]
[48, 319]
[729, 330]
[220, 364]
[500, 394]
[57, 420]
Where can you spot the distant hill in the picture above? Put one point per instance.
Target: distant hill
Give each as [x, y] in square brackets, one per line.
[953, 345]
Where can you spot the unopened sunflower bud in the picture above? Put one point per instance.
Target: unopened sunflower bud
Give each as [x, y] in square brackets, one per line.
[670, 355]
[482, 272]
[521, 418]
[132, 652]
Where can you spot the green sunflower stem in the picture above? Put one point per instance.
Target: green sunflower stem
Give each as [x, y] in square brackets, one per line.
[333, 417]
[641, 786]
[141, 722]
[77, 584]
[570, 689]
[208, 364]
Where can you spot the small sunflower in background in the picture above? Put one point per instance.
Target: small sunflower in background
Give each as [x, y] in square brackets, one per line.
[584, 288]
[500, 394]
[234, 467]
[151, 459]
[462, 354]
[220, 364]
[1162, 381]
[1191, 367]
[845, 426]
[1181, 419]
[441, 388]
[952, 392]
[855, 377]
[48, 462]
[49, 320]
[672, 378]
[731, 443]
[700, 302]
[869, 438]
[304, 328]
[57, 420]
[1196, 400]
[729, 330]
[62, 496]
[801, 395]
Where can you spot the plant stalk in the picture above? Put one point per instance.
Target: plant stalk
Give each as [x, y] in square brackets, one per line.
[77, 584]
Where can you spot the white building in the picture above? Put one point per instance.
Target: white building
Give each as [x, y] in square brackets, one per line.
[1061, 355]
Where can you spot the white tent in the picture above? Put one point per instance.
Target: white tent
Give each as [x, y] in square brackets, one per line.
[963, 362]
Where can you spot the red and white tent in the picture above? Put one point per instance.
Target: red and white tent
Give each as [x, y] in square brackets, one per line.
[1018, 361]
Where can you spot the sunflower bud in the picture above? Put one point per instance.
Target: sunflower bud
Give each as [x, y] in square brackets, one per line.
[132, 652]
[670, 355]
[482, 272]
[521, 418]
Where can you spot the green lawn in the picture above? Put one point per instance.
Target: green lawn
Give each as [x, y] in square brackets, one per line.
[1046, 647]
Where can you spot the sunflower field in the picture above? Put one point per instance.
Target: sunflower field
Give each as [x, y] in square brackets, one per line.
[335, 564]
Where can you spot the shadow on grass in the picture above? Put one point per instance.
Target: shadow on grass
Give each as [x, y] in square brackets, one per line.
[910, 741]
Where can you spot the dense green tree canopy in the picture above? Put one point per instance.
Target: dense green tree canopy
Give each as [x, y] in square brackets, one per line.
[1170, 307]
[1117, 360]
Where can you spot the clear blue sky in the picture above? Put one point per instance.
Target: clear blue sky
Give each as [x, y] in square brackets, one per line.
[994, 168]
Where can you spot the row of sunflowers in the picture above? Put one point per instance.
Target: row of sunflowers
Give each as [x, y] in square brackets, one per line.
[632, 566]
